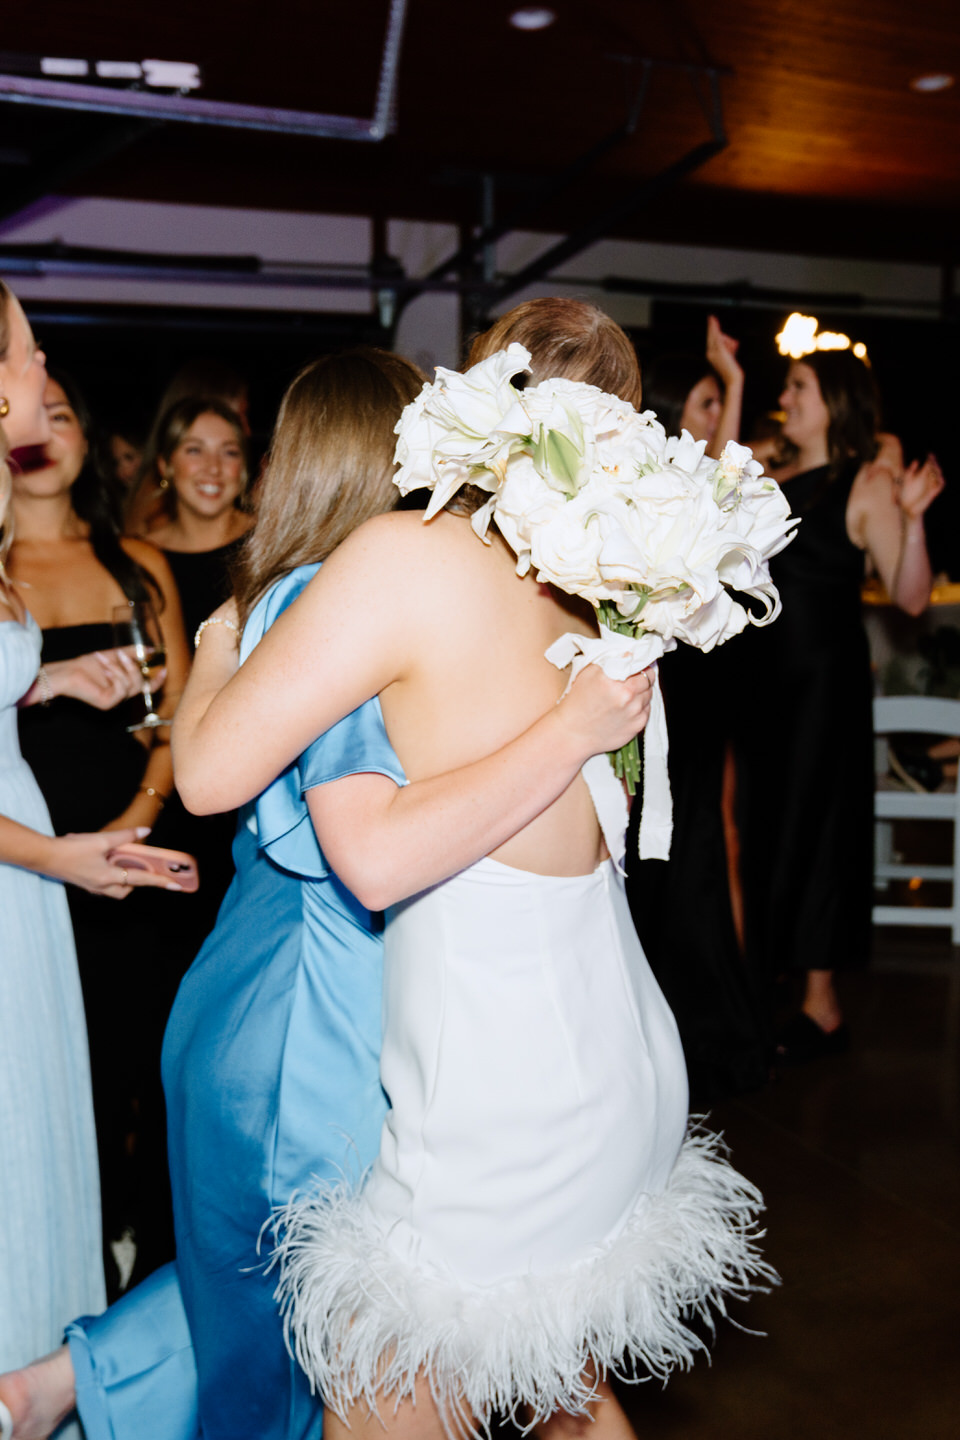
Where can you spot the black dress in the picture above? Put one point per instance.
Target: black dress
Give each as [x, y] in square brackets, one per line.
[804, 748]
[88, 768]
[681, 907]
[204, 581]
[794, 701]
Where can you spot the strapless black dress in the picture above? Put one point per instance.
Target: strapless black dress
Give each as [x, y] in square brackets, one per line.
[204, 580]
[681, 907]
[804, 748]
[130, 954]
[794, 701]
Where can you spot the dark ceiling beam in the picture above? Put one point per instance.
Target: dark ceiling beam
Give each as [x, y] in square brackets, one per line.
[605, 223]
[746, 295]
[546, 191]
[68, 158]
[249, 270]
[640, 195]
[188, 109]
[699, 74]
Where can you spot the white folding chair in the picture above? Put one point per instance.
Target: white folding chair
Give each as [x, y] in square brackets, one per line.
[923, 715]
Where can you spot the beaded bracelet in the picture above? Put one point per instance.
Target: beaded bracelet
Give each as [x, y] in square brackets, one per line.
[42, 683]
[213, 620]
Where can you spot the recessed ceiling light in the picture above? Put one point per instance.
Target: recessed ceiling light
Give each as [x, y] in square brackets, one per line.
[532, 17]
[929, 84]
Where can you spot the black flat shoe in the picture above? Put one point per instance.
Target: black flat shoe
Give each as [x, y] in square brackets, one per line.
[802, 1039]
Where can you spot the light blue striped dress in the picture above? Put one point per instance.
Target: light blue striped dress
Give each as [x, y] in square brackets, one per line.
[50, 1256]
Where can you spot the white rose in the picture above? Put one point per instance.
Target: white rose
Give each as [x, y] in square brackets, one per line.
[565, 550]
[524, 501]
[714, 623]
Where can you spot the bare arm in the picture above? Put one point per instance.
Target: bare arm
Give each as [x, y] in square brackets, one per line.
[722, 355]
[102, 679]
[81, 860]
[387, 843]
[237, 729]
[885, 517]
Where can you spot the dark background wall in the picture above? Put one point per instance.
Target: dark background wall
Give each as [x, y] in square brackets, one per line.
[123, 358]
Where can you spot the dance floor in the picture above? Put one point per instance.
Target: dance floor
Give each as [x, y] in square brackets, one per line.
[859, 1162]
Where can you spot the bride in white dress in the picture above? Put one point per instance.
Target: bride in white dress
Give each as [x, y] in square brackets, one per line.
[51, 1265]
[535, 1210]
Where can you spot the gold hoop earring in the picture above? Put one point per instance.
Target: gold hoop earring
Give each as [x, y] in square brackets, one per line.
[164, 483]
[4, 406]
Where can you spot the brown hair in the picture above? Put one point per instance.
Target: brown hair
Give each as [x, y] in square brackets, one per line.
[850, 394]
[205, 377]
[330, 465]
[173, 425]
[567, 339]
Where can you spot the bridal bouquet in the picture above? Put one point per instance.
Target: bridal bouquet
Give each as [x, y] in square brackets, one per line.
[595, 498]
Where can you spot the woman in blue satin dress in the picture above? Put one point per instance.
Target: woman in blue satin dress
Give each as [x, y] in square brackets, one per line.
[271, 1057]
[272, 1052]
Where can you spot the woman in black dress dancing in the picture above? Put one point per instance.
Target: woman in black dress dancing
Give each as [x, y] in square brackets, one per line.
[803, 745]
[686, 910]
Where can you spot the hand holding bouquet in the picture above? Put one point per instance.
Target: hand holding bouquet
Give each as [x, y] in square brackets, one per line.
[665, 543]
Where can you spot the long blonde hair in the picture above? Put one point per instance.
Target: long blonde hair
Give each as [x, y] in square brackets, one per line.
[330, 465]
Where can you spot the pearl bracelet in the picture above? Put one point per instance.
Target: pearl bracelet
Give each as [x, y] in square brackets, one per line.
[213, 620]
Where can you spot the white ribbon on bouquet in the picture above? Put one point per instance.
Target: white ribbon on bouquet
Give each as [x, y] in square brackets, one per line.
[619, 657]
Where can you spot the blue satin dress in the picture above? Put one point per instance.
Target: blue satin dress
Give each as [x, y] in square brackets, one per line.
[271, 1072]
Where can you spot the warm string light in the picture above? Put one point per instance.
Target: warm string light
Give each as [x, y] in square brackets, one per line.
[801, 335]
[532, 17]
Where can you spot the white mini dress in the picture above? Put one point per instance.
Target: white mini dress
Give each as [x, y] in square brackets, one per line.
[538, 1202]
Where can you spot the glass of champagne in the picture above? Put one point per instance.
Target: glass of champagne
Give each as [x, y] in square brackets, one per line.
[136, 627]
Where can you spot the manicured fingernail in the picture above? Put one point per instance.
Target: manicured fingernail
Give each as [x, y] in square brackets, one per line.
[143, 830]
[174, 886]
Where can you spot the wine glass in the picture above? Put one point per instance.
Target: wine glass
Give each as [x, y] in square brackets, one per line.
[136, 627]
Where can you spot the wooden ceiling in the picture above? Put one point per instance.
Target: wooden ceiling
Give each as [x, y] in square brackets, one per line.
[829, 149]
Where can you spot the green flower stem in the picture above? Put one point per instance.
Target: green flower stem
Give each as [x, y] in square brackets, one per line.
[626, 764]
[626, 760]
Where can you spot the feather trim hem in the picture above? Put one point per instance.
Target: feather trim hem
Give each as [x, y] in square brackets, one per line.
[364, 1324]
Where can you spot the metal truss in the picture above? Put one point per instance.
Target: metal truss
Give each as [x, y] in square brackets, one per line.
[189, 109]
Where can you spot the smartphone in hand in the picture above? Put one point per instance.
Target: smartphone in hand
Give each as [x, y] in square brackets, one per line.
[175, 865]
